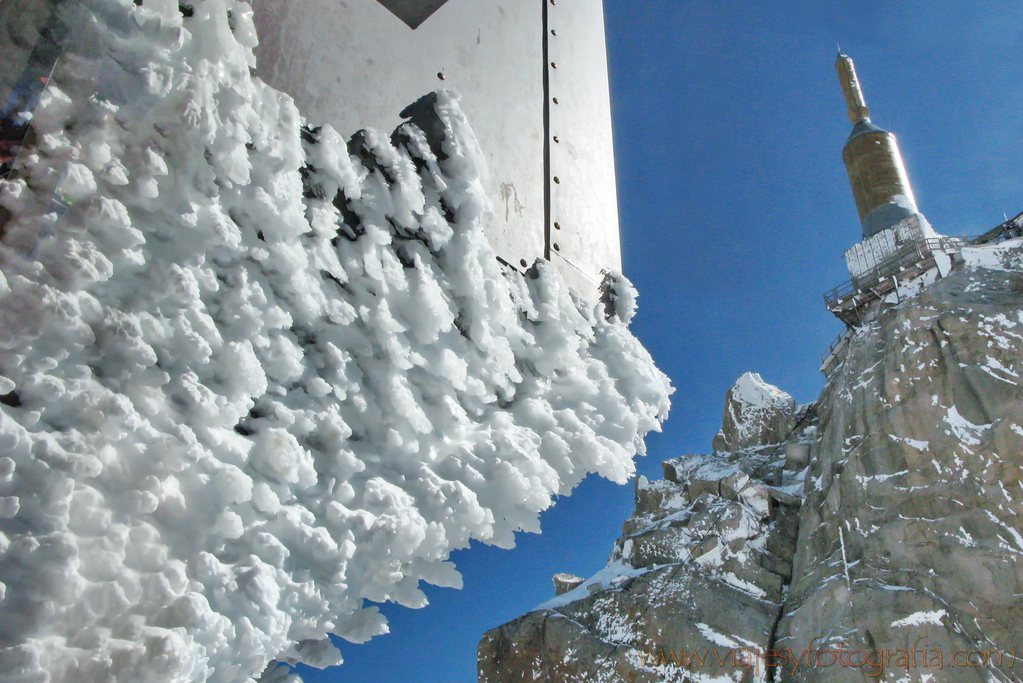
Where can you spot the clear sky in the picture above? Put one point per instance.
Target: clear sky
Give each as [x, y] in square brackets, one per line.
[735, 211]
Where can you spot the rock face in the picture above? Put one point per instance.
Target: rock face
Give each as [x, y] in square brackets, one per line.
[902, 562]
[911, 531]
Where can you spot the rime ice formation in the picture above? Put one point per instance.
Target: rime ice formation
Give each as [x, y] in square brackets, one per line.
[909, 534]
[253, 376]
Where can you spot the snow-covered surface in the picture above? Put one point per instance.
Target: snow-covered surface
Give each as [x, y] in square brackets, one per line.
[992, 256]
[752, 390]
[918, 618]
[964, 430]
[615, 572]
[620, 297]
[687, 514]
[252, 378]
[694, 467]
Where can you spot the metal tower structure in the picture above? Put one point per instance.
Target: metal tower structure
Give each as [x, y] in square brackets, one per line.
[533, 79]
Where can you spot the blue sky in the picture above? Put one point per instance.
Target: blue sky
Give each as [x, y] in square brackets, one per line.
[735, 211]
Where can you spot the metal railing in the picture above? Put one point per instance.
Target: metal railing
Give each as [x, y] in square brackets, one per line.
[831, 356]
[912, 253]
[1010, 229]
[833, 347]
[918, 251]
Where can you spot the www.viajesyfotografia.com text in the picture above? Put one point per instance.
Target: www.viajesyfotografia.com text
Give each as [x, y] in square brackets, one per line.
[873, 662]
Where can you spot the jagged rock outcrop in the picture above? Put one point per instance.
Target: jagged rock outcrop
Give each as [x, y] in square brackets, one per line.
[901, 564]
[756, 414]
[699, 568]
[563, 583]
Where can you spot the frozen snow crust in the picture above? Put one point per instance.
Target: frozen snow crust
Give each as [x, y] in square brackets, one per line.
[252, 377]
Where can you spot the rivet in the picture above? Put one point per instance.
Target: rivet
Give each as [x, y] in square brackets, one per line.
[553, 32]
[556, 139]
[440, 75]
[555, 100]
[557, 180]
[554, 65]
[522, 262]
[557, 225]
[556, 247]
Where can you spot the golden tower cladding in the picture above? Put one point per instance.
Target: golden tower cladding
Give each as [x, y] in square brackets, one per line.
[873, 162]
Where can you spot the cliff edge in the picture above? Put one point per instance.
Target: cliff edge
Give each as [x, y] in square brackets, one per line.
[910, 536]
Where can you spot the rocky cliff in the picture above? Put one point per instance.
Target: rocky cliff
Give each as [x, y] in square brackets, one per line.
[873, 536]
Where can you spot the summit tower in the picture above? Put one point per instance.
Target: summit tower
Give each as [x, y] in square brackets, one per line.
[894, 230]
[899, 250]
[873, 162]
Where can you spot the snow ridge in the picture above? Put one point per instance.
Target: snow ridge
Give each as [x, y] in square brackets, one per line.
[751, 389]
[253, 376]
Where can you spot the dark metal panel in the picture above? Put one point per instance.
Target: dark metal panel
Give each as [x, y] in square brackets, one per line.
[412, 12]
